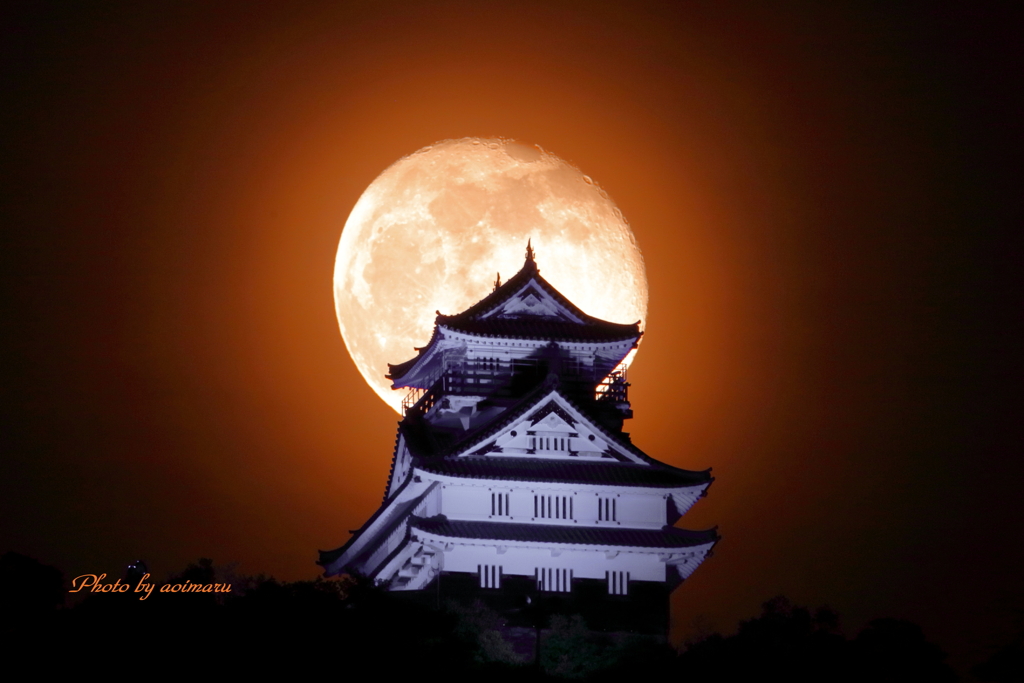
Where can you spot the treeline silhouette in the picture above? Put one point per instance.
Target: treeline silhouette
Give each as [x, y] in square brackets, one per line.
[349, 627]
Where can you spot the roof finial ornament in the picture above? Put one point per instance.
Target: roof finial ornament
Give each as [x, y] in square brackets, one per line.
[497, 282]
[529, 251]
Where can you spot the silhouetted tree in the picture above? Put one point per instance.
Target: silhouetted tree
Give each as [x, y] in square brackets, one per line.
[896, 650]
[570, 650]
[315, 627]
[1006, 665]
[481, 629]
[786, 641]
[30, 591]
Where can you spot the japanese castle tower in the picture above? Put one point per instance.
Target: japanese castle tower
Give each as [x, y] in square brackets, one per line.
[512, 480]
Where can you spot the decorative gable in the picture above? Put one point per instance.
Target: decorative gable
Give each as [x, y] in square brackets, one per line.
[553, 428]
[532, 301]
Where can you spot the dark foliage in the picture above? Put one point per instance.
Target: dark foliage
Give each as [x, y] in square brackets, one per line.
[332, 628]
[1006, 665]
[790, 643]
[30, 592]
[316, 627]
[29, 585]
[896, 650]
[786, 641]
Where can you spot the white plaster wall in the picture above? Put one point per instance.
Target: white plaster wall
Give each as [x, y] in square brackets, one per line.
[646, 511]
[584, 564]
[472, 502]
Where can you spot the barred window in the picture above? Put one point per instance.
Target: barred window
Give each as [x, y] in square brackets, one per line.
[606, 510]
[499, 504]
[618, 583]
[553, 507]
[553, 580]
[490, 575]
[549, 443]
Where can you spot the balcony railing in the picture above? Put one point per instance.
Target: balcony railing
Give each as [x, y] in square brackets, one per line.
[614, 388]
[485, 378]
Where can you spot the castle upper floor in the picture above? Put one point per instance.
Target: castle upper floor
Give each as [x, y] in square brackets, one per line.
[505, 345]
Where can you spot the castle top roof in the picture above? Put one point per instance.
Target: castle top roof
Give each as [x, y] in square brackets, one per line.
[526, 306]
[496, 304]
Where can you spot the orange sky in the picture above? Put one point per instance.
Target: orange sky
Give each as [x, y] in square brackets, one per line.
[817, 193]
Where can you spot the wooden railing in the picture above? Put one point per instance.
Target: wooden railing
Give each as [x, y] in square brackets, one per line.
[485, 378]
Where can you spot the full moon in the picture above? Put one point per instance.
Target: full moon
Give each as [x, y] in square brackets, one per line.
[433, 231]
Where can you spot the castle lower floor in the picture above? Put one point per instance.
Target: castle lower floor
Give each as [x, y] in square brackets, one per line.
[642, 607]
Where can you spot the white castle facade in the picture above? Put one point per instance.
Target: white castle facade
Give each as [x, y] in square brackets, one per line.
[512, 480]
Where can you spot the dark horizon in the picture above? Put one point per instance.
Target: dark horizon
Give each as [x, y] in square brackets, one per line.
[825, 199]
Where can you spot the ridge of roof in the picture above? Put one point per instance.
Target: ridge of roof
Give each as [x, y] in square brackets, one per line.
[502, 292]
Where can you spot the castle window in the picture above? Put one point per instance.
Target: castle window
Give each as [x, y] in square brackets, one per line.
[549, 443]
[553, 580]
[499, 504]
[618, 583]
[553, 507]
[490, 575]
[606, 510]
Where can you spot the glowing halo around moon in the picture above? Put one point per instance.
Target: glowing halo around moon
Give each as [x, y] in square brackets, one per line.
[433, 230]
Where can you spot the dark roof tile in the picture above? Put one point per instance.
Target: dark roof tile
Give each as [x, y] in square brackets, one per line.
[539, 328]
[666, 537]
[563, 471]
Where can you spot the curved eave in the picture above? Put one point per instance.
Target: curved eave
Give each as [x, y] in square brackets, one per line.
[401, 374]
[543, 330]
[455, 333]
[399, 370]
